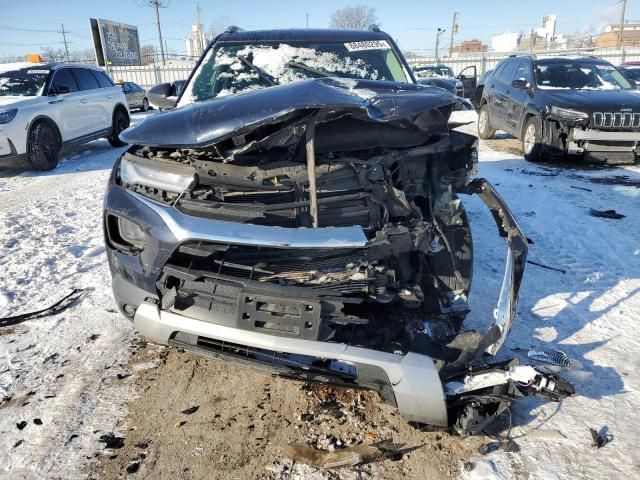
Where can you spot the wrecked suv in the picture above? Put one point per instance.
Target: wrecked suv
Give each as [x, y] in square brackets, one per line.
[299, 213]
[562, 106]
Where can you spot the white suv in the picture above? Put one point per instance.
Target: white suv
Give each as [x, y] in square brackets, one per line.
[44, 108]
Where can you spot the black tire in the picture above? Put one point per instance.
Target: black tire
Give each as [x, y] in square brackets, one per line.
[43, 147]
[485, 129]
[120, 123]
[145, 104]
[532, 140]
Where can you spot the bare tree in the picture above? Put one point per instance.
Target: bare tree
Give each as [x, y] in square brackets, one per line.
[358, 17]
[147, 54]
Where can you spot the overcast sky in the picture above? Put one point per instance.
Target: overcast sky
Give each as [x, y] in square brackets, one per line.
[27, 26]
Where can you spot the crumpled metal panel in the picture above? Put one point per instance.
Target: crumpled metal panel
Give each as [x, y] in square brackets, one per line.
[205, 123]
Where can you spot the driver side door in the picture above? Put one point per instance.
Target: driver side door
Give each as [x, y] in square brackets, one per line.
[469, 78]
[517, 98]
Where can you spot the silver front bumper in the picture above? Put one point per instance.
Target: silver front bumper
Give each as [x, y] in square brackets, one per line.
[413, 377]
[604, 135]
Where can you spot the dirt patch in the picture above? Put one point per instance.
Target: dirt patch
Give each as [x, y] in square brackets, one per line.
[508, 145]
[245, 419]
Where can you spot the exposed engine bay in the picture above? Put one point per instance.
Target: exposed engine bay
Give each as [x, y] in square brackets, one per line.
[372, 246]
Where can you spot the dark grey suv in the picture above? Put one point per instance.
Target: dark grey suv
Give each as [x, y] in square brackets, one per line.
[559, 106]
[299, 213]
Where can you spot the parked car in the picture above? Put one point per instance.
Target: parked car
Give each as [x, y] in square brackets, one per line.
[298, 212]
[46, 107]
[136, 96]
[631, 71]
[562, 106]
[439, 76]
[164, 95]
[442, 76]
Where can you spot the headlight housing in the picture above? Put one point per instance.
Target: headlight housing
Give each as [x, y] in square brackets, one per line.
[568, 114]
[6, 115]
[161, 174]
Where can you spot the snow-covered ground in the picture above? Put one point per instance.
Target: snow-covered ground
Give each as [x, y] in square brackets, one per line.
[58, 368]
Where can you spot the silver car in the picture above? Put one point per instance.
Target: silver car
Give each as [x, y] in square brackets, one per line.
[136, 96]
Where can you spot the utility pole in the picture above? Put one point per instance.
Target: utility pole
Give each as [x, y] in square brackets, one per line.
[454, 29]
[438, 35]
[64, 39]
[158, 4]
[624, 7]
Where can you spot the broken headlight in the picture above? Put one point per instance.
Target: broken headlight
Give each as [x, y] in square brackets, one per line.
[125, 235]
[156, 173]
[568, 114]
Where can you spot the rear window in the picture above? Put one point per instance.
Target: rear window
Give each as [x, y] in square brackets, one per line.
[85, 79]
[102, 78]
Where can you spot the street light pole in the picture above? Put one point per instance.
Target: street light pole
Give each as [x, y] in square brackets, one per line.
[438, 35]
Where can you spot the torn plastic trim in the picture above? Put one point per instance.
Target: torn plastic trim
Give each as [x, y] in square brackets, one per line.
[517, 248]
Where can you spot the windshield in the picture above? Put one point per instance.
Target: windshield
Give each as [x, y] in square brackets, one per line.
[27, 82]
[426, 72]
[233, 69]
[579, 75]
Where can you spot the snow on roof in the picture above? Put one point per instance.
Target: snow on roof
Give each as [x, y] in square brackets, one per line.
[7, 67]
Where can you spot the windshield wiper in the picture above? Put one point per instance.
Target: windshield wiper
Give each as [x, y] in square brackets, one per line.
[304, 66]
[261, 73]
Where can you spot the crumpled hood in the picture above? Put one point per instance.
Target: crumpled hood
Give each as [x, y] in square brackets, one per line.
[206, 123]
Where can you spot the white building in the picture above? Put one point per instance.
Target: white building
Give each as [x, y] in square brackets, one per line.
[548, 29]
[197, 41]
[505, 42]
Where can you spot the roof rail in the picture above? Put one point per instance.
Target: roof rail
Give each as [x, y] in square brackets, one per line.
[232, 29]
[374, 28]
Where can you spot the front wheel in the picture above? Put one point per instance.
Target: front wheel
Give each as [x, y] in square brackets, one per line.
[120, 123]
[43, 147]
[485, 129]
[145, 105]
[532, 141]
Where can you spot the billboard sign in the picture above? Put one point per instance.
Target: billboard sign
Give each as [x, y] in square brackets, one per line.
[116, 44]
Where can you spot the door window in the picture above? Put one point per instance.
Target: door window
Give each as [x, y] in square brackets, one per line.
[523, 71]
[506, 74]
[64, 78]
[85, 79]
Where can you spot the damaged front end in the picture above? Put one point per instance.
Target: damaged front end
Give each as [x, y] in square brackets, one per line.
[315, 230]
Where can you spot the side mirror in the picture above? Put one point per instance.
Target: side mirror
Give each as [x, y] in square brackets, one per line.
[59, 90]
[160, 95]
[520, 83]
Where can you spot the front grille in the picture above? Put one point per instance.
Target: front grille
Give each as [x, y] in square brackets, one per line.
[616, 120]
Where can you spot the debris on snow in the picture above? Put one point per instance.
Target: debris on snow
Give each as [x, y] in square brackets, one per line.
[601, 438]
[57, 307]
[606, 214]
